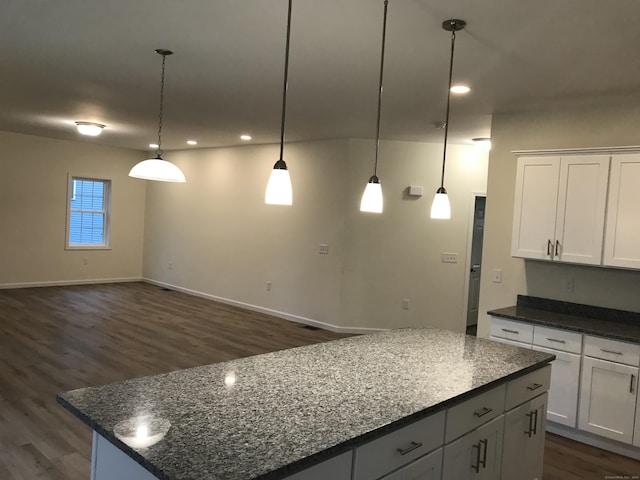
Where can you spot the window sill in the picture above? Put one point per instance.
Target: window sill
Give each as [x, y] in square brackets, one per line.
[88, 247]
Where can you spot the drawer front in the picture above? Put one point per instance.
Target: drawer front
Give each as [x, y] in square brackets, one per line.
[396, 449]
[474, 412]
[509, 342]
[612, 350]
[557, 339]
[336, 468]
[523, 389]
[520, 332]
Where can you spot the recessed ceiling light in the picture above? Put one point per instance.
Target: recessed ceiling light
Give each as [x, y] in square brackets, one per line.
[89, 128]
[460, 89]
[192, 142]
[245, 137]
[153, 145]
[482, 143]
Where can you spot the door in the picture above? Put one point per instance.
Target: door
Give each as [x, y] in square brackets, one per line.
[622, 240]
[476, 260]
[536, 199]
[608, 399]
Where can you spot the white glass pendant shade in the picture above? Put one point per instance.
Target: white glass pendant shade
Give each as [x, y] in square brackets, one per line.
[440, 208]
[279, 186]
[157, 169]
[372, 197]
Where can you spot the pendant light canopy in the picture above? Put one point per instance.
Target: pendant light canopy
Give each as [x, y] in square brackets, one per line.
[157, 168]
[440, 208]
[372, 196]
[279, 186]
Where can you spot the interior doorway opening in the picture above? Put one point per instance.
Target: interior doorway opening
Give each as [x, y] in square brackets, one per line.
[474, 262]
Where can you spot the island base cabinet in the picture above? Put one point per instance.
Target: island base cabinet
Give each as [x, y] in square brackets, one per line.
[428, 467]
[477, 455]
[608, 399]
[110, 463]
[524, 434]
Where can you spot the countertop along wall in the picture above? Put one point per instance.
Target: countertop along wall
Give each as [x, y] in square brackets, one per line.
[561, 126]
[215, 236]
[33, 210]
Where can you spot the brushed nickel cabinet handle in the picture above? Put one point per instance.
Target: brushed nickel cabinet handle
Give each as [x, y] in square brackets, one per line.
[533, 387]
[476, 467]
[549, 247]
[557, 248]
[610, 351]
[534, 414]
[529, 431]
[483, 412]
[556, 340]
[515, 332]
[483, 462]
[633, 377]
[410, 448]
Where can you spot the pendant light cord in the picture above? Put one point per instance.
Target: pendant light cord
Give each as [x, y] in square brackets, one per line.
[286, 82]
[384, 37]
[164, 54]
[446, 124]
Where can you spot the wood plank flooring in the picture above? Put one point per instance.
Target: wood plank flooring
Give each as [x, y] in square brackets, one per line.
[59, 338]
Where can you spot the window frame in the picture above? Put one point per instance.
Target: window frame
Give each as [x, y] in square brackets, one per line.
[106, 211]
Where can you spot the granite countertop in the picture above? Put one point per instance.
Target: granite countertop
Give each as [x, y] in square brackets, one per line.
[603, 322]
[268, 416]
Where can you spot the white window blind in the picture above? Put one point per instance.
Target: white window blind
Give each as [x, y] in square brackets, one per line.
[88, 224]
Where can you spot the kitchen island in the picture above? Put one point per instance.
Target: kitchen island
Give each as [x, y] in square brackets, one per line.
[273, 415]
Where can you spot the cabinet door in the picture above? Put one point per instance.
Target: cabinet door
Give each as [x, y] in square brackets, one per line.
[428, 467]
[534, 215]
[582, 199]
[563, 393]
[622, 239]
[608, 399]
[524, 432]
[477, 455]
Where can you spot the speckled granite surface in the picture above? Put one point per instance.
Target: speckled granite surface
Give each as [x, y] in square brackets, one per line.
[268, 416]
[603, 322]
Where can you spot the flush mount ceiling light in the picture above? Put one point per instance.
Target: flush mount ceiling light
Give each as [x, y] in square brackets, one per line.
[157, 168]
[192, 142]
[279, 186]
[459, 89]
[441, 208]
[482, 143]
[372, 196]
[89, 128]
[246, 138]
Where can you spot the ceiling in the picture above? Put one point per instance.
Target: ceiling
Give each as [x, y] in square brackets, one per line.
[68, 60]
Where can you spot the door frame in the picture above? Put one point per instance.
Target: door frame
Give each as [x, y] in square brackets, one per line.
[467, 269]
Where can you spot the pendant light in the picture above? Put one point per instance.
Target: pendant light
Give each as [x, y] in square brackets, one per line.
[279, 186]
[372, 196]
[157, 168]
[440, 208]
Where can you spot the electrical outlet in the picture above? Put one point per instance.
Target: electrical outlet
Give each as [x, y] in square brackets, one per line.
[324, 249]
[405, 304]
[268, 286]
[496, 275]
[449, 258]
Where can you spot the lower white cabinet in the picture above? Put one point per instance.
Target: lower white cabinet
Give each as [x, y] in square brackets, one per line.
[336, 468]
[477, 455]
[428, 467]
[608, 399]
[524, 434]
[564, 390]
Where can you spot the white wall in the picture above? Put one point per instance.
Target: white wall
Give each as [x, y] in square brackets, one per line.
[33, 209]
[215, 236]
[614, 124]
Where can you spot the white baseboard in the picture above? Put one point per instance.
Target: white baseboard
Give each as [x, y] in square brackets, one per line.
[62, 283]
[268, 311]
[594, 440]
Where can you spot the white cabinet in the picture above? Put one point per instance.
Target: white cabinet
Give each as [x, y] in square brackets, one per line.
[559, 208]
[608, 399]
[428, 467]
[477, 455]
[524, 430]
[336, 468]
[622, 240]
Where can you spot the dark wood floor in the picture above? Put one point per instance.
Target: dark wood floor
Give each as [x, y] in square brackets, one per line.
[60, 338]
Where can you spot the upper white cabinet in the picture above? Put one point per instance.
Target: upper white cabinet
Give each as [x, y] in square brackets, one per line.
[559, 209]
[622, 241]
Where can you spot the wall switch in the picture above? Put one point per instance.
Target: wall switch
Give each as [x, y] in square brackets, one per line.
[405, 304]
[496, 275]
[324, 249]
[415, 190]
[567, 283]
[268, 286]
[449, 258]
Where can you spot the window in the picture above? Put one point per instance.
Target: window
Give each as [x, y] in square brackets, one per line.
[88, 225]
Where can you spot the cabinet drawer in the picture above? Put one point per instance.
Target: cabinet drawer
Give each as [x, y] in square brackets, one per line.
[396, 449]
[509, 342]
[520, 332]
[557, 339]
[525, 388]
[474, 412]
[336, 468]
[612, 350]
